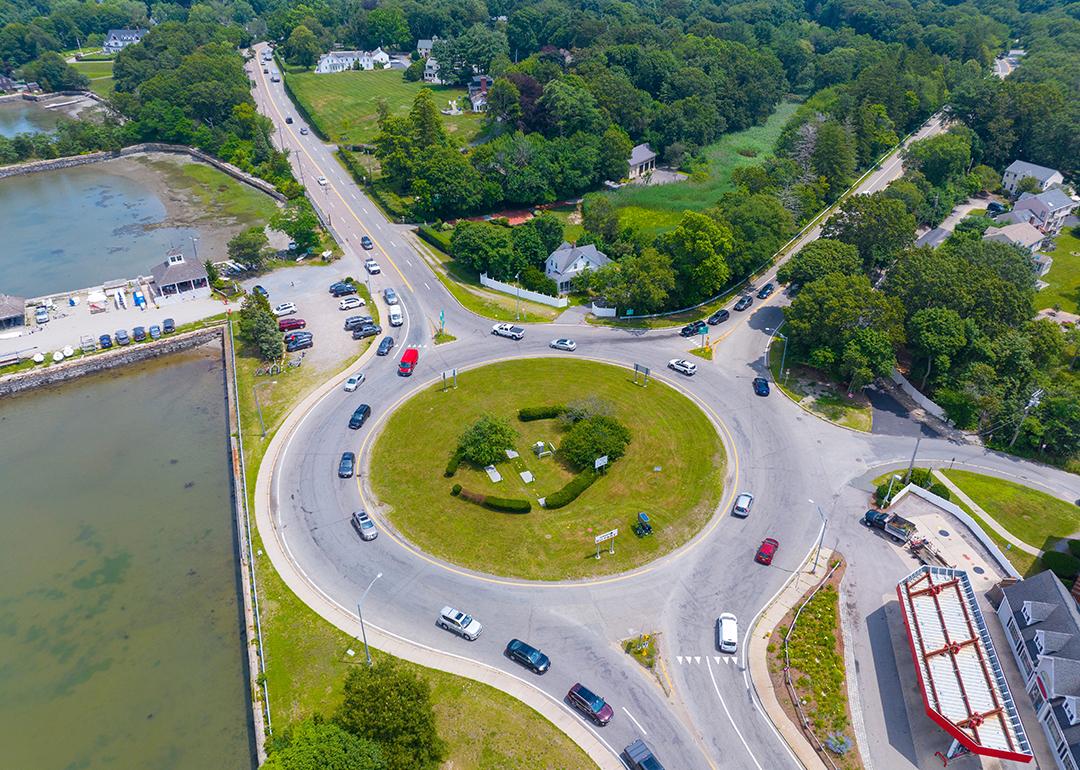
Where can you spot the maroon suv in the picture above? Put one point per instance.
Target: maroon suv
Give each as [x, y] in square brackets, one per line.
[288, 324]
[590, 704]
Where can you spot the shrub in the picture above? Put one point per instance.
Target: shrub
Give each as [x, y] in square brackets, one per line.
[485, 442]
[1064, 565]
[530, 413]
[879, 494]
[594, 437]
[570, 492]
[583, 408]
[921, 477]
[940, 490]
[453, 463]
[504, 504]
[455, 490]
[1074, 547]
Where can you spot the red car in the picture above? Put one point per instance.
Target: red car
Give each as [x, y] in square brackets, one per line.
[288, 324]
[766, 551]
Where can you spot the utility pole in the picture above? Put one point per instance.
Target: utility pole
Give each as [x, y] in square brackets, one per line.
[1033, 402]
[821, 537]
[517, 304]
[911, 465]
[360, 613]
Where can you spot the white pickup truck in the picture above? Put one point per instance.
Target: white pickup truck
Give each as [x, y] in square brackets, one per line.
[508, 330]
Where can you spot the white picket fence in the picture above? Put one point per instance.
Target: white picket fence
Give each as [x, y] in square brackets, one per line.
[532, 296]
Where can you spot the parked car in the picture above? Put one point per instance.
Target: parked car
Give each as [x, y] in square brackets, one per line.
[727, 633]
[364, 525]
[343, 290]
[105, 341]
[766, 291]
[359, 416]
[356, 321]
[640, 757]
[367, 330]
[354, 382]
[351, 303]
[285, 308]
[564, 344]
[744, 302]
[303, 131]
[743, 503]
[590, 704]
[372, 267]
[386, 344]
[683, 366]
[461, 624]
[289, 324]
[138, 333]
[288, 119]
[260, 290]
[766, 551]
[993, 207]
[41, 314]
[347, 465]
[761, 386]
[366, 244]
[155, 332]
[121, 337]
[336, 285]
[718, 317]
[266, 71]
[528, 656]
[168, 326]
[508, 330]
[409, 359]
[297, 335]
[390, 296]
[301, 344]
[694, 329]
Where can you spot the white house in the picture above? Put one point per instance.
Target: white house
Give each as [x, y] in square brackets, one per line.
[342, 61]
[424, 46]
[119, 39]
[176, 279]
[1047, 211]
[570, 260]
[431, 71]
[642, 161]
[1021, 234]
[1019, 169]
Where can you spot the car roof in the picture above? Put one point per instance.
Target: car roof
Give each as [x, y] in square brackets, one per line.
[744, 496]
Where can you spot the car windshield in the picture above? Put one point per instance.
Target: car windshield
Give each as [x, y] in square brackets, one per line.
[596, 703]
[366, 524]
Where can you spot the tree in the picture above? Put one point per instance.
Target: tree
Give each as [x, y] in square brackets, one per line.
[485, 442]
[302, 47]
[550, 229]
[387, 27]
[867, 355]
[834, 157]
[818, 258]
[503, 104]
[615, 149]
[459, 58]
[760, 225]
[249, 247]
[52, 73]
[599, 217]
[315, 744]
[298, 221]
[266, 336]
[698, 248]
[936, 334]
[568, 108]
[637, 282]
[403, 723]
[877, 226]
[593, 437]
[941, 158]
[425, 123]
[1028, 184]
[253, 304]
[485, 248]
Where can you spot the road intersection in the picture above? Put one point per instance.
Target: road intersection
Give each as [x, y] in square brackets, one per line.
[701, 711]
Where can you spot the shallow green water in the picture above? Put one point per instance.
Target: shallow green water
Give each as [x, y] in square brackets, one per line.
[25, 117]
[120, 635]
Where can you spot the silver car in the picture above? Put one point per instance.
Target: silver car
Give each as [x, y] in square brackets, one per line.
[743, 504]
[364, 525]
[564, 344]
[461, 624]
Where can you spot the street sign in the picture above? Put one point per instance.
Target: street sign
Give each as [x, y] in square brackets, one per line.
[600, 462]
[442, 320]
[643, 370]
[606, 536]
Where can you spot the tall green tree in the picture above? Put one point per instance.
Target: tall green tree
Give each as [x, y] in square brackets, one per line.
[52, 73]
[503, 105]
[698, 247]
[638, 282]
[867, 355]
[298, 221]
[936, 334]
[387, 27]
[833, 157]
[819, 258]
[942, 158]
[249, 247]
[879, 227]
[266, 336]
[425, 122]
[315, 744]
[485, 441]
[302, 47]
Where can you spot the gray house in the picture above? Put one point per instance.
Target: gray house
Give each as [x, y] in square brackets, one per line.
[176, 280]
[1047, 211]
[1042, 624]
[12, 311]
[642, 161]
[119, 39]
[1019, 169]
[569, 261]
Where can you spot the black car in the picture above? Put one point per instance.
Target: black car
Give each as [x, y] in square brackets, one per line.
[347, 465]
[765, 291]
[366, 243]
[356, 321]
[718, 317]
[260, 290]
[993, 207]
[368, 330]
[744, 302]
[528, 656]
[105, 341]
[301, 344]
[359, 416]
[343, 290]
[695, 328]
[168, 326]
[139, 333]
[761, 386]
[385, 346]
[288, 119]
[292, 337]
[336, 285]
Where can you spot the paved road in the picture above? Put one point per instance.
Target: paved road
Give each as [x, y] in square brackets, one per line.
[712, 719]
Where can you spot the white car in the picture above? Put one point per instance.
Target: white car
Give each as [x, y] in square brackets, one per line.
[727, 633]
[354, 382]
[508, 330]
[372, 267]
[322, 181]
[683, 366]
[285, 308]
[351, 303]
[563, 344]
[461, 624]
[742, 505]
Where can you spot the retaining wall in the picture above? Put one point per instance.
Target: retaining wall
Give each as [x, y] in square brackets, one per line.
[99, 362]
[905, 385]
[36, 166]
[533, 296]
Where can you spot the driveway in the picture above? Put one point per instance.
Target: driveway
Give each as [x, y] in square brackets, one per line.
[892, 419]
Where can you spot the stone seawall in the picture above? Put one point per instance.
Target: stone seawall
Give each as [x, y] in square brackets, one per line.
[36, 166]
[80, 367]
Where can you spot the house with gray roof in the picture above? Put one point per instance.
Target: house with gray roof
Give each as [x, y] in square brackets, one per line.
[424, 46]
[569, 261]
[176, 280]
[119, 39]
[1021, 234]
[1020, 169]
[1042, 623]
[12, 312]
[1047, 210]
[642, 161]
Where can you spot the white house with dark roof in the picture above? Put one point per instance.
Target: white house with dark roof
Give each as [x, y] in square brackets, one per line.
[424, 46]
[1047, 210]
[642, 161]
[176, 280]
[1020, 169]
[569, 260]
[343, 61]
[431, 71]
[12, 312]
[119, 39]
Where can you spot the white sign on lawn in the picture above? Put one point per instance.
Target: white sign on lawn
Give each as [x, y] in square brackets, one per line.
[606, 536]
[600, 462]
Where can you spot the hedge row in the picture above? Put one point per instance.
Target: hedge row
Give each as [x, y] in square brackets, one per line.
[573, 488]
[453, 463]
[1064, 565]
[435, 238]
[530, 413]
[920, 477]
[308, 117]
[503, 504]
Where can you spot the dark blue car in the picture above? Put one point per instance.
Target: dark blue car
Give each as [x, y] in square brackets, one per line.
[528, 656]
[761, 386]
[346, 466]
[105, 341]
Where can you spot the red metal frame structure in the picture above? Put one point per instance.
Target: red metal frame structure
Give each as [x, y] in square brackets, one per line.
[963, 687]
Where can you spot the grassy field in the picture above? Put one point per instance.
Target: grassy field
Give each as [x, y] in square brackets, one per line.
[652, 210]
[216, 193]
[1064, 276]
[306, 656]
[346, 103]
[100, 74]
[668, 431]
[811, 391]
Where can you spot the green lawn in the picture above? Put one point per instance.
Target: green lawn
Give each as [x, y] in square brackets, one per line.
[217, 192]
[652, 210]
[345, 104]
[100, 74]
[811, 391]
[1064, 276]
[668, 430]
[1034, 517]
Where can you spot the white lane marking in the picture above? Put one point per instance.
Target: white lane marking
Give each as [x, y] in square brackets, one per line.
[634, 721]
[426, 286]
[354, 197]
[409, 261]
[364, 209]
[728, 713]
[393, 243]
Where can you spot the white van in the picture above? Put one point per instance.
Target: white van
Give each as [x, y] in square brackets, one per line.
[727, 632]
[395, 316]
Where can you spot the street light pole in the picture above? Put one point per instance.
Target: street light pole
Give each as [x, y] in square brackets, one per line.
[821, 537]
[517, 304]
[194, 245]
[360, 612]
[258, 407]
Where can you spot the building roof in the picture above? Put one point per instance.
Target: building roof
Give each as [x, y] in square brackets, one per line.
[170, 272]
[1050, 602]
[1022, 168]
[934, 238]
[424, 43]
[963, 686]
[12, 306]
[1020, 233]
[126, 34]
[1053, 199]
[568, 253]
[641, 153]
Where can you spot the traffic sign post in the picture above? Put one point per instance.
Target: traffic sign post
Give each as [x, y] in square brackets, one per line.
[600, 462]
[442, 321]
[610, 538]
[643, 370]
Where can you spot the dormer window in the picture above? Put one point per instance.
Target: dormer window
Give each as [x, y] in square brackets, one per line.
[1040, 642]
[1071, 707]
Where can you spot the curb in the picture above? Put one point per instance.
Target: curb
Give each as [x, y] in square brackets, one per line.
[815, 415]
